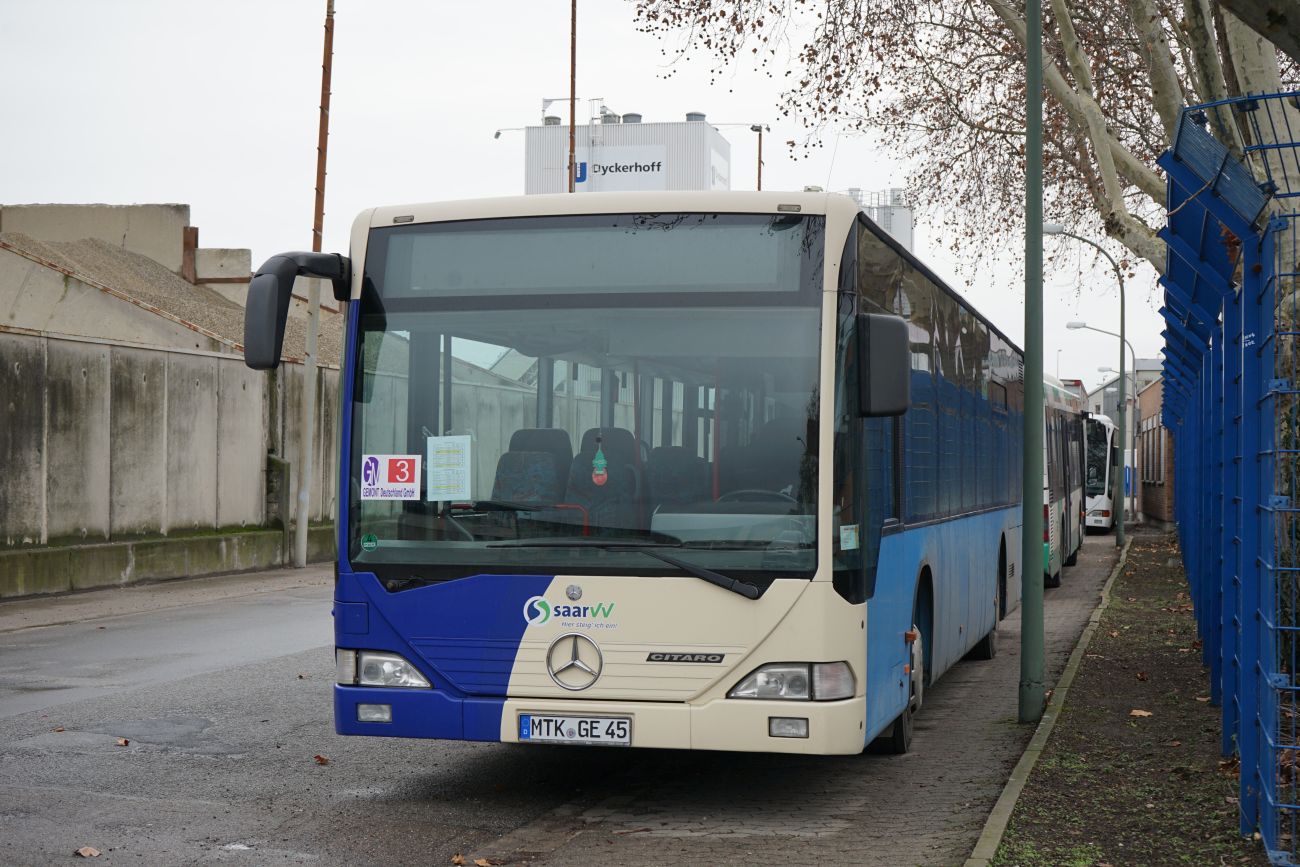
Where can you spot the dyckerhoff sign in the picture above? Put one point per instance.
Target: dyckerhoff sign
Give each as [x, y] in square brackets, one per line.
[601, 169]
[621, 168]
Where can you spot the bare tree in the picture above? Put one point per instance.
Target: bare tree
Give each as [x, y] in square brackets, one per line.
[943, 80]
[1276, 20]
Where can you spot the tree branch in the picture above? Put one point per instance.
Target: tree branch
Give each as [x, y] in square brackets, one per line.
[1166, 92]
[1277, 20]
[1134, 169]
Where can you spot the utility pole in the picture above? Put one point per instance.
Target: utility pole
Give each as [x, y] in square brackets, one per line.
[307, 422]
[758, 128]
[1031, 546]
[573, 89]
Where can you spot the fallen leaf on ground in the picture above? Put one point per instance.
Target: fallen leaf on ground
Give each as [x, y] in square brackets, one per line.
[458, 859]
[58, 728]
[1142, 676]
[1139, 713]
[1175, 743]
[486, 862]
[1114, 633]
[1202, 698]
[631, 830]
[320, 760]
[87, 852]
[123, 742]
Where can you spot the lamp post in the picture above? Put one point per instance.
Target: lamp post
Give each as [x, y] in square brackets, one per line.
[1133, 437]
[1032, 690]
[759, 128]
[1058, 229]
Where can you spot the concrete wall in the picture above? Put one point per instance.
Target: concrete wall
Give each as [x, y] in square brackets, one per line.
[43, 299]
[213, 263]
[156, 231]
[103, 442]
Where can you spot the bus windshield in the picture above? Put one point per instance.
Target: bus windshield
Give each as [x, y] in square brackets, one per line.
[531, 392]
[1098, 458]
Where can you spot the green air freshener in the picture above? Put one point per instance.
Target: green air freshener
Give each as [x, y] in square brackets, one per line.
[598, 466]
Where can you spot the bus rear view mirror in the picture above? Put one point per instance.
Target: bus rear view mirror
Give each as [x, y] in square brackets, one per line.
[269, 296]
[884, 365]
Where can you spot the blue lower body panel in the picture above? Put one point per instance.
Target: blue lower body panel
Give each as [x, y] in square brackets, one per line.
[419, 713]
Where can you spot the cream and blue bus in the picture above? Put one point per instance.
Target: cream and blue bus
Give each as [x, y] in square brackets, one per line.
[722, 471]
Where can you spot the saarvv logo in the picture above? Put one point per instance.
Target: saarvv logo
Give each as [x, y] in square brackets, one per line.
[537, 611]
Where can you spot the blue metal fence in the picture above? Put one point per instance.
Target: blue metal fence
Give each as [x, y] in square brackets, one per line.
[1232, 381]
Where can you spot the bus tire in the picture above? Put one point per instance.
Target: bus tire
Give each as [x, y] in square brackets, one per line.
[1002, 580]
[987, 647]
[899, 739]
[1052, 580]
[1074, 555]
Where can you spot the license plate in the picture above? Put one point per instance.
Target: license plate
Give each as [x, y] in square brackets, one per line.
[563, 729]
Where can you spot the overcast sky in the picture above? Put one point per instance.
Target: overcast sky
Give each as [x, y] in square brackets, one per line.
[215, 104]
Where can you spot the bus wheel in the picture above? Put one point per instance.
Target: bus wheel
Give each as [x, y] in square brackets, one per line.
[1052, 580]
[899, 739]
[987, 647]
[1074, 555]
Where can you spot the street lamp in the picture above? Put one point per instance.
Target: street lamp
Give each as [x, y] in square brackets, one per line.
[760, 128]
[1136, 420]
[1058, 229]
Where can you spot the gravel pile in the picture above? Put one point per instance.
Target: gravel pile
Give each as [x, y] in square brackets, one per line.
[145, 280]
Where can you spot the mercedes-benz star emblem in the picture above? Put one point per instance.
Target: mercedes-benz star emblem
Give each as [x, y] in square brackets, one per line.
[574, 592]
[574, 661]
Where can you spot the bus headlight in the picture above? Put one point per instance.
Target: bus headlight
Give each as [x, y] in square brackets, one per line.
[376, 668]
[797, 681]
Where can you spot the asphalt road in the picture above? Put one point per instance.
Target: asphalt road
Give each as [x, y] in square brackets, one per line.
[223, 700]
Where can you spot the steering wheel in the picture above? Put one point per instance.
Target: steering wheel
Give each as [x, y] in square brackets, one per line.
[751, 494]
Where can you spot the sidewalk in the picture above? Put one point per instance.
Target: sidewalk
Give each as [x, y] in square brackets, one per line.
[1132, 773]
[39, 611]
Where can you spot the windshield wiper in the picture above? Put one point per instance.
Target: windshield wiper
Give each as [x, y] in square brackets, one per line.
[749, 591]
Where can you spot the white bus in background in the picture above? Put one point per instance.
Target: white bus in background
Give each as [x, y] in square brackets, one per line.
[1103, 463]
[1063, 471]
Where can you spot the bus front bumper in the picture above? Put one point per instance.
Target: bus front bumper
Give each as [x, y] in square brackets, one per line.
[738, 725]
[1096, 519]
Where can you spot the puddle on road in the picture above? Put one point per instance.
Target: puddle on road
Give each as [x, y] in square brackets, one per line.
[174, 734]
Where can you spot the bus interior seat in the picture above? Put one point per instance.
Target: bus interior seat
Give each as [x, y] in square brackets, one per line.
[614, 504]
[777, 454]
[546, 439]
[771, 462]
[528, 477]
[677, 477]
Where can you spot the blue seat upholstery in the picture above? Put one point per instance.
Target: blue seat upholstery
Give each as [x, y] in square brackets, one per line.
[527, 477]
